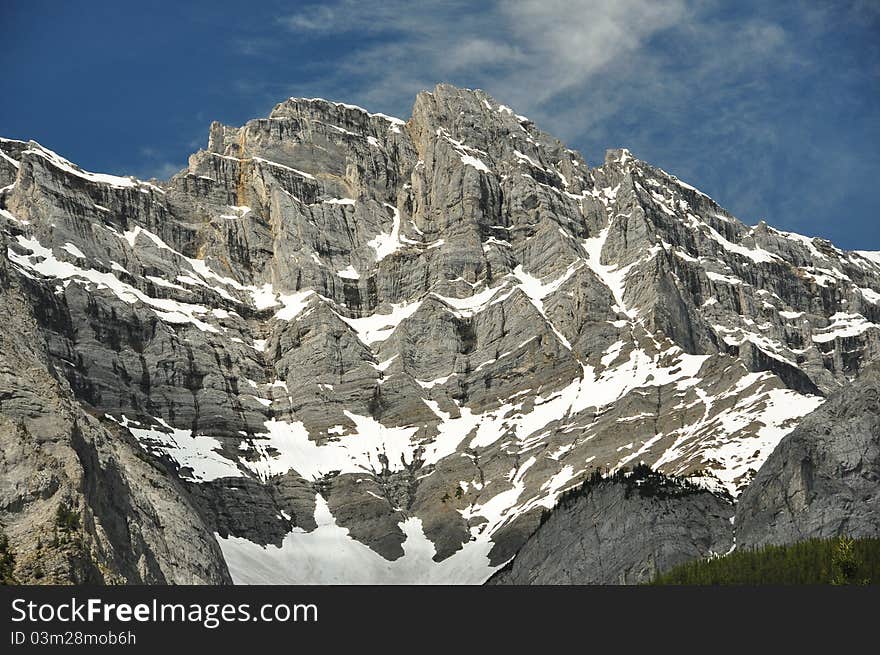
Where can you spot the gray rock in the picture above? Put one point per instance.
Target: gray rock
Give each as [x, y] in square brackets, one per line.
[134, 523]
[823, 480]
[441, 324]
[615, 535]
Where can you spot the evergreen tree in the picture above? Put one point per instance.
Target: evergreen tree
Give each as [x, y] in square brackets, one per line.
[66, 518]
[7, 562]
[816, 561]
[844, 564]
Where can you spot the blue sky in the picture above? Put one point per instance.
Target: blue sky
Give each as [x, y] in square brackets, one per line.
[772, 108]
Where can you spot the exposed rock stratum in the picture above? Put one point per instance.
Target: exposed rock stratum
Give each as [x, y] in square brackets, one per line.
[344, 347]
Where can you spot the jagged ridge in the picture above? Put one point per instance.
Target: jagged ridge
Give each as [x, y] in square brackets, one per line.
[411, 337]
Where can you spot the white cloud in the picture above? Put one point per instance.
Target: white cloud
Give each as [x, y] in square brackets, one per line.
[160, 170]
[663, 77]
[573, 41]
[321, 18]
[569, 64]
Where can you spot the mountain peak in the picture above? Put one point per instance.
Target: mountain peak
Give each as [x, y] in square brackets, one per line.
[618, 157]
[337, 325]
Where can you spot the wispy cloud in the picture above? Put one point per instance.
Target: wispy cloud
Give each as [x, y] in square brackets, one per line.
[315, 18]
[156, 164]
[537, 54]
[705, 89]
[165, 169]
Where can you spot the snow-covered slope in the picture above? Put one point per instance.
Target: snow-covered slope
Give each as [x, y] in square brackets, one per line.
[377, 350]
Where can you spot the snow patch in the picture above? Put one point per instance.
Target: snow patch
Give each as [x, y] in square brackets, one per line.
[303, 558]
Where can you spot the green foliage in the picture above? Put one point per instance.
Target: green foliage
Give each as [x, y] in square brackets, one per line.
[817, 561]
[651, 483]
[67, 522]
[7, 562]
[845, 564]
[458, 493]
[66, 519]
[641, 478]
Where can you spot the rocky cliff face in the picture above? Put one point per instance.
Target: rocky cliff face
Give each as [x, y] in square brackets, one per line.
[823, 479]
[405, 339]
[81, 501]
[621, 532]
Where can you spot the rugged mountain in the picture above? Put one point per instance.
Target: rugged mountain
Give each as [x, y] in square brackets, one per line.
[622, 530]
[81, 502]
[823, 479]
[376, 350]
